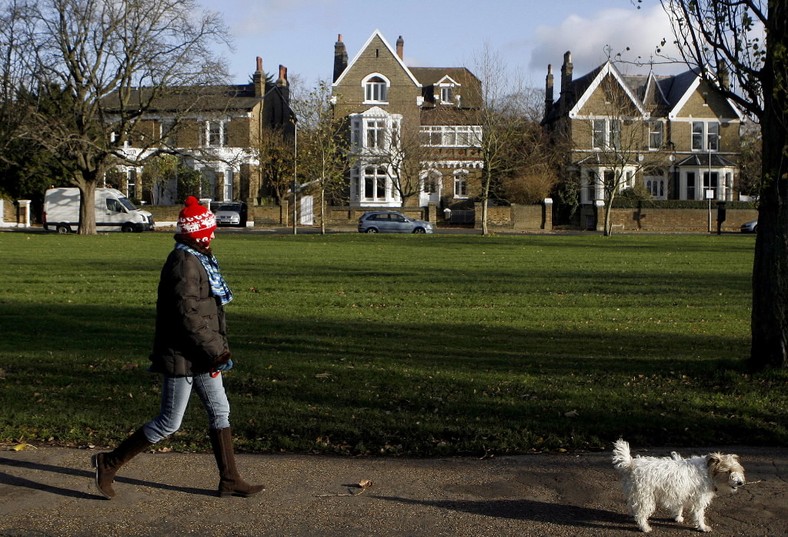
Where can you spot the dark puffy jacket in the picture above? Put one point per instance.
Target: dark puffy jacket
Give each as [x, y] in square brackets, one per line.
[191, 333]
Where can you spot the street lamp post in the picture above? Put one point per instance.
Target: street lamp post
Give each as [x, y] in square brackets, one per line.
[295, 179]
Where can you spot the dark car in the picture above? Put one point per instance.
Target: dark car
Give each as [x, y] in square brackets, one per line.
[391, 222]
[229, 213]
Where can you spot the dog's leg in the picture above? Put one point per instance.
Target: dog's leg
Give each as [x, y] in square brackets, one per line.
[700, 519]
[642, 510]
[679, 515]
[643, 523]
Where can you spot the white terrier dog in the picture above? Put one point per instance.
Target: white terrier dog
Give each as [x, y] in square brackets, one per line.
[674, 483]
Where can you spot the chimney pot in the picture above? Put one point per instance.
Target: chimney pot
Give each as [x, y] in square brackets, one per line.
[401, 48]
[340, 57]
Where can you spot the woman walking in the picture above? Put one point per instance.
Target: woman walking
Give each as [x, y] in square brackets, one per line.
[190, 351]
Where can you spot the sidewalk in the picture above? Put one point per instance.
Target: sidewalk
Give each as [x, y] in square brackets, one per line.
[50, 492]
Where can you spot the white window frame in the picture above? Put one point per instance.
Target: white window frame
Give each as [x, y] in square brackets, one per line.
[705, 135]
[132, 184]
[212, 133]
[592, 186]
[451, 135]
[605, 133]
[713, 136]
[375, 176]
[375, 134]
[227, 188]
[374, 131]
[461, 184]
[657, 186]
[446, 93]
[376, 89]
[614, 134]
[656, 135]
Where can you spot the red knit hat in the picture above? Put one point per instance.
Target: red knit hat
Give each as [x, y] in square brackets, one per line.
[196, 221]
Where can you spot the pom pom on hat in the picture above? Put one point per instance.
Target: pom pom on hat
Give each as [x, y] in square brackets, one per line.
[195, 221]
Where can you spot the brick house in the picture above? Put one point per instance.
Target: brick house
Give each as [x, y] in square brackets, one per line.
[413, 131]
[670, 135]
[212, 129]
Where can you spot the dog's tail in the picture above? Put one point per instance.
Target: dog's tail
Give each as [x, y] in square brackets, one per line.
[622, 460]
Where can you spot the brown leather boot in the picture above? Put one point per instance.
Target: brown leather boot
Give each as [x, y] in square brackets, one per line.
[230, 483]
[107, 464]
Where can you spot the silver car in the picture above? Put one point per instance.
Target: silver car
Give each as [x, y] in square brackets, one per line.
[750, 227]
[230, 213]
[391, 222]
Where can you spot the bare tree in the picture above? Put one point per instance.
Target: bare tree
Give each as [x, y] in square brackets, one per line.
[501, 115]
[85, 59]
[722, 39]
[323, 154]
[620, 137]
[406, 157]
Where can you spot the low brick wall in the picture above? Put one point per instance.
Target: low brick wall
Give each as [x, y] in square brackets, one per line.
[677, 220]
[516, 217]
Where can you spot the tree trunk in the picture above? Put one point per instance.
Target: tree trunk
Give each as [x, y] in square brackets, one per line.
[608, 231]
[770, 268]
[87, 206]
[322, 207]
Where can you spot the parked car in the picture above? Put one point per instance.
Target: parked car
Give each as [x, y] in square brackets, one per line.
[391, 222]
[750, 227]
[229, 213]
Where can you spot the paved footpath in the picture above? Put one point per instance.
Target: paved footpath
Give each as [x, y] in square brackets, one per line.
[50, 492]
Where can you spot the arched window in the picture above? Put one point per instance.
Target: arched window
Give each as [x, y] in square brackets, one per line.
[376, 89]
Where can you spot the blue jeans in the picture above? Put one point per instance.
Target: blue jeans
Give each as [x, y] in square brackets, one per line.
[175, 392]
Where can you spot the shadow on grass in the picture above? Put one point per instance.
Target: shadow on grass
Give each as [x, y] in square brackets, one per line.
[422, 387]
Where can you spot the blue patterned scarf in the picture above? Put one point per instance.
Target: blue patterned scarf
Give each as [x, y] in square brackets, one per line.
[219, 287]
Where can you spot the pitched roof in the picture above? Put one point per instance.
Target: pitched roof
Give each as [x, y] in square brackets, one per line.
[469, 86]
[376, 34]
[197, 98]
[658, 96]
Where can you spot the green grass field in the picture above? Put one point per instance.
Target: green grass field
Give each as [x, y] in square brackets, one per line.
[400, 345]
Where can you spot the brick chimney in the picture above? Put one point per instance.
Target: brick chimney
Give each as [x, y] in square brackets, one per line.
[566, 82]
[258, 79]
[723, 77]
[401, 48]
[548, 90]
[283, 84]
[340, 57]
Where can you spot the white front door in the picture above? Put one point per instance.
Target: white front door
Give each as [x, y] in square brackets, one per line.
[431, 186]
[307, 216]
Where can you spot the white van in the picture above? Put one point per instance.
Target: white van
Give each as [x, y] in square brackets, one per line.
[114, 211]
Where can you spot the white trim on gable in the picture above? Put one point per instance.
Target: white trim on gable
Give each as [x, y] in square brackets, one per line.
[652, 80]
[447, 80]
[376, 33]
[607, 69]
[674, 113]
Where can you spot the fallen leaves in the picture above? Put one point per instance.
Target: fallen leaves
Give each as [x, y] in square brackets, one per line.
[361, 488]
[22, 447]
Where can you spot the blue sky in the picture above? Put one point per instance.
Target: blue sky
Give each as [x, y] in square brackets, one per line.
[526, 34]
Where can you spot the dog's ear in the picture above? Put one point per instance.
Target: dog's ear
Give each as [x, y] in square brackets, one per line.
[713, 459]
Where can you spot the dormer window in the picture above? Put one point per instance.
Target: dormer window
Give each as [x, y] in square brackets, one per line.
[446, 91]
[446, 94]
[376, 89]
